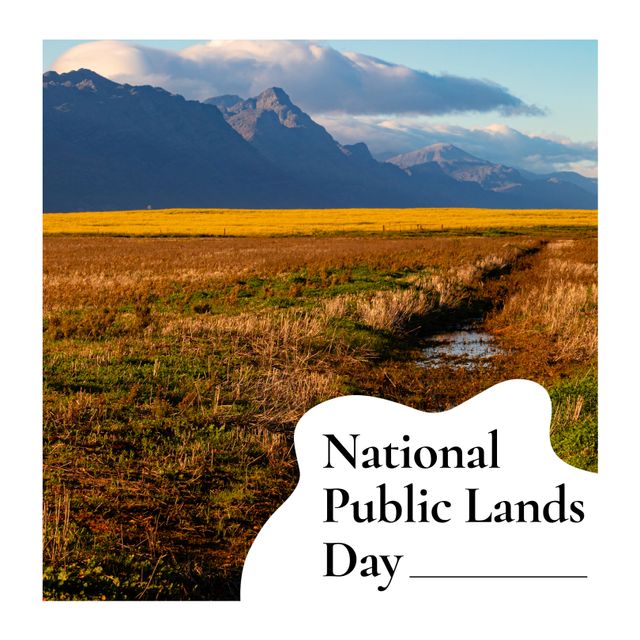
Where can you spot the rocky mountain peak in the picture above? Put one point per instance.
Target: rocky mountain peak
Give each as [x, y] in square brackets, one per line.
[80, 79]
[272, 98]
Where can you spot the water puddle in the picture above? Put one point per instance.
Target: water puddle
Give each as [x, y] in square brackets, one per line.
[466, 347]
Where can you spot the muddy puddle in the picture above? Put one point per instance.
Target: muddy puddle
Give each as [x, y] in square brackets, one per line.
[467, 347]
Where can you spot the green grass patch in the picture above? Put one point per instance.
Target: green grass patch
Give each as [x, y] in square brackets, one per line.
[574, 425]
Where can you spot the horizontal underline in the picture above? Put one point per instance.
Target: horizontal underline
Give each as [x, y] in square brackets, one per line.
[498, 576]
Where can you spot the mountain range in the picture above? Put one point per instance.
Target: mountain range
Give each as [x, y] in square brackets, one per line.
[111, 146]
[523, 189]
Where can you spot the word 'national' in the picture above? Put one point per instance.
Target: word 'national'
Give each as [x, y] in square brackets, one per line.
[408, 457]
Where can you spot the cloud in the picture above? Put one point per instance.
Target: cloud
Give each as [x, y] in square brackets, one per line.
[497, 142]
[318, 78]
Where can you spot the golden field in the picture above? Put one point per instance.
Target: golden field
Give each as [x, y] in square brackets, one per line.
[272, 222]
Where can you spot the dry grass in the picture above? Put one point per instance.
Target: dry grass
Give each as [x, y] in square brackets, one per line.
[391, 310]
[559, 300]
[58, 533]
[106, 272]
[176, 369]
[568, 412]
[278, 360]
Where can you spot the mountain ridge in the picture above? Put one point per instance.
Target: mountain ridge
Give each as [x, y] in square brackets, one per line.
[113, 146]
[517, 186]
[118, 146]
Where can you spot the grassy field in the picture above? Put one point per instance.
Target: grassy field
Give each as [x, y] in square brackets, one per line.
[234, 222]
[175, 370]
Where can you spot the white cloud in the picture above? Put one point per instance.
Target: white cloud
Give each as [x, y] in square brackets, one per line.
[317, 77]
[495, 142]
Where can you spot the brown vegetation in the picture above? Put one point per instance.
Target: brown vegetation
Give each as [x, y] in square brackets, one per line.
[558, 300]
[176, 369]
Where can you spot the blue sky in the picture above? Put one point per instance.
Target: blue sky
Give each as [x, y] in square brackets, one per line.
[532, 103]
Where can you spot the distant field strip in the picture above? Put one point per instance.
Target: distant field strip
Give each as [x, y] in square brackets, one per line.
[272, 222]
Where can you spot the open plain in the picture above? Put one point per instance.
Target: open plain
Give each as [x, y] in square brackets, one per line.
[176, 368]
